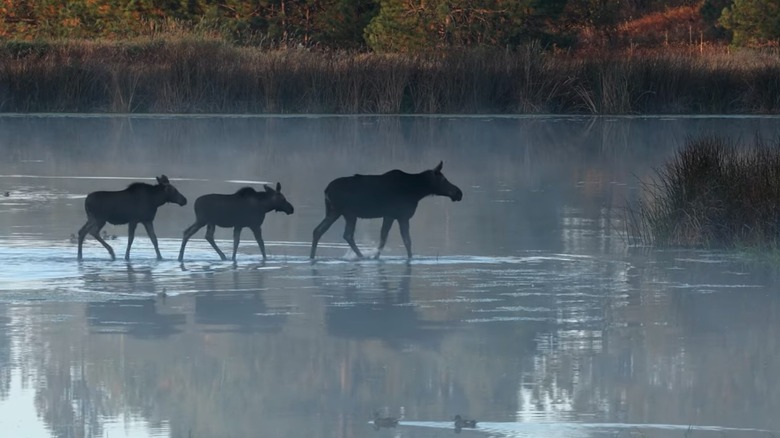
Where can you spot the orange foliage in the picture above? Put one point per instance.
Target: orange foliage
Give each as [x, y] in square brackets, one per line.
[72, 23]
[681, 25]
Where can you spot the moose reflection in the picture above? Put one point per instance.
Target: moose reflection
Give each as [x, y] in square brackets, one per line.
[392, 196]
[245, 208]
[137, 203]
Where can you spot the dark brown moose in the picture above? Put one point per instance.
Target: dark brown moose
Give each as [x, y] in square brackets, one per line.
[136, 204]
[244, 208]
[392, 196]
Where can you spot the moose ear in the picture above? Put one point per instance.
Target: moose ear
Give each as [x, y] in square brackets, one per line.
[278, 187]
[438, 168]
[268, 188]
[162, 179]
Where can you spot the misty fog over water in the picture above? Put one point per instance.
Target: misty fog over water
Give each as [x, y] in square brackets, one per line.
[523, 307]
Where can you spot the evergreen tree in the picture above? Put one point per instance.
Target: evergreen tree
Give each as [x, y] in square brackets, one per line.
[753, 21]
[711, 11]
[403, 25]
[341, 23]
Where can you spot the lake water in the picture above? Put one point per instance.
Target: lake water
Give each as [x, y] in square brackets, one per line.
[523, 307]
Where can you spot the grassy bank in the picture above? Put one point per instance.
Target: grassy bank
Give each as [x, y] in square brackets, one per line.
[713, 193]
[211, 76]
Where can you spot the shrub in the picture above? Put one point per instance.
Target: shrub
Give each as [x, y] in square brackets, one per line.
[713, 193]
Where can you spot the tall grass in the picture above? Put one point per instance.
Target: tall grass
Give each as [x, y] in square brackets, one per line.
[713, 193]
[202, 75]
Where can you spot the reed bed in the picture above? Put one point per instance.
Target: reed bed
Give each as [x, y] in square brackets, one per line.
[200, 75]
[714, 193]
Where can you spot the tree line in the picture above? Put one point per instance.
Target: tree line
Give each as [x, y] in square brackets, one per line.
[378, 25]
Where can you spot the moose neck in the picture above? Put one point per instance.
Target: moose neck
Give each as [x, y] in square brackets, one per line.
[419, 186]
[158, 195]
[265, 201]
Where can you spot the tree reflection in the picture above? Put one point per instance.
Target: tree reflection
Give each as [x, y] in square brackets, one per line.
[5, 354]
[378, 336]
[69, 404]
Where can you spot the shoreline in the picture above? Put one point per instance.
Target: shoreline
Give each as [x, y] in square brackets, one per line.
[200, 77]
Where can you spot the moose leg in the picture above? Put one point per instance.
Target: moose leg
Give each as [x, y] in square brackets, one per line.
[210, 228]
[236, 239]
[130, 237]
[192, 229]
[349, 234]
[320, 230]
[386, 224]
[83, 233]
[95, 231]
[403, 224]
[150, 231]
[259, 238]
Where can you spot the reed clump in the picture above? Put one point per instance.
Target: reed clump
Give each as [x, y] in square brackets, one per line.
[714, 193]
[202, 74]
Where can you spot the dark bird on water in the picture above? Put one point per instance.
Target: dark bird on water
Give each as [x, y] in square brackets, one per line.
[384, 421]
[461, 423]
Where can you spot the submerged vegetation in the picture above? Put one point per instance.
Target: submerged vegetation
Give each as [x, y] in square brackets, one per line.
[187, 75]
[714, 193]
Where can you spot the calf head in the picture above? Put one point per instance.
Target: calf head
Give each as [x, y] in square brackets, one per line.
[277, 199]
[171, 194]
[441, 186]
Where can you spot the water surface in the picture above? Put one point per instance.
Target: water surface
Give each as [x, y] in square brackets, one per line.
[523, 306]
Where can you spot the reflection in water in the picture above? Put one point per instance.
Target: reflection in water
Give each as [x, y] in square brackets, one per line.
[231, 307]
[368, 305]
[523, 310]
[5, 356]
[139, 318]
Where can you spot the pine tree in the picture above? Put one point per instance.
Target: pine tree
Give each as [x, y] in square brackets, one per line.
[404, 25]
[341, 23]
[753, 22]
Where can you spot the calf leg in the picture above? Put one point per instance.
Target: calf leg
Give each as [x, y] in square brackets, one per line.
[130, 237]
[403, 224]
[236, 239]
[349, 234]
[83, 233]
[386, 224]
[96, 233]
[320, 230]
[93, 227]
[210, 228]
[259, 238]
[192, 229]
[150, 231]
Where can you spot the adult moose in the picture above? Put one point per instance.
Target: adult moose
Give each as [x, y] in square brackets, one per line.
[136, 204]
[244, 208]
[393, 196]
